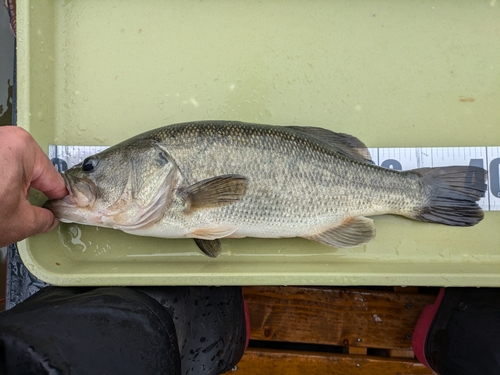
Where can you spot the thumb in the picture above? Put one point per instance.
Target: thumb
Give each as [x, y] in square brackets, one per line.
[38, 220]
[28, 221]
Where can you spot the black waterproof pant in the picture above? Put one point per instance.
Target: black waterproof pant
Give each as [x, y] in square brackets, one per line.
[164, 330]
[464, 337]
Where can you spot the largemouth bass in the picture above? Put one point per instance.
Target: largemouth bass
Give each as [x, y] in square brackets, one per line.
[219, 179]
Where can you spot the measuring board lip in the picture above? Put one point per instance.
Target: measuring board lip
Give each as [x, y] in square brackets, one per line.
[401, 158]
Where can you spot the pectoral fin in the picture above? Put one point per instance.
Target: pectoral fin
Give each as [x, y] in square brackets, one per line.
[352, 232]
[215, 192]
[212, 248]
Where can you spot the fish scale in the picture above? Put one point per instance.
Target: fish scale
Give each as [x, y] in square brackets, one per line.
[315, 170]
[211, 180]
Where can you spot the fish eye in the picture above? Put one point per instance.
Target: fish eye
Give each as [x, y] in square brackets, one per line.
[89, 164]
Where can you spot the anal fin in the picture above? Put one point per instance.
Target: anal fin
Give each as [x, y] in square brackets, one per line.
[352, 232]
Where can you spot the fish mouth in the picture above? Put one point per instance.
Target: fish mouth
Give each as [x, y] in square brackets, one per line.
[82, 191]
[69, 200]
[76, 206]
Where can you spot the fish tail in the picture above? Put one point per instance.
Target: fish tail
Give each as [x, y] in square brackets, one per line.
[451, 195]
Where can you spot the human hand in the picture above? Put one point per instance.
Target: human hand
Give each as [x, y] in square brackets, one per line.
[23, 165]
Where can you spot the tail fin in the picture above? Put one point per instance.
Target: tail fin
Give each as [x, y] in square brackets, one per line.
[452, 194]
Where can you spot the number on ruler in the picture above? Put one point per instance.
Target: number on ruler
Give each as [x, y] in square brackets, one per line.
[392, 164]
[494, 177]
[60, 164]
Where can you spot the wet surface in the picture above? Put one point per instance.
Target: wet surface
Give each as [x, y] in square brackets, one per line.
[7, 49]
[413, 76]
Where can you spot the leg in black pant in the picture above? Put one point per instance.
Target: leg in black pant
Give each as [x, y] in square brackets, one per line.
[124, 331]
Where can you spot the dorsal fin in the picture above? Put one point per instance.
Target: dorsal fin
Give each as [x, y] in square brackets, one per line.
[346, 144]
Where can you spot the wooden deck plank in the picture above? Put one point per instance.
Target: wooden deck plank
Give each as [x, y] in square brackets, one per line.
[408, 353]
[334, 316]
[276, 362]
[357, 350]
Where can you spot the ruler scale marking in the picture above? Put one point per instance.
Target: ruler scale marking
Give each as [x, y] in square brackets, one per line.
[488, 195]
[64, 157]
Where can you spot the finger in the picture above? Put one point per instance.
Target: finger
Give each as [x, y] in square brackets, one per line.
[31, 221]
[36, 220]
[46, 178]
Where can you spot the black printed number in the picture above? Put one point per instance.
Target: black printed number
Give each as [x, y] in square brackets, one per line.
[494, 177]
[392, 164]
[60, 164]
[493, 174]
